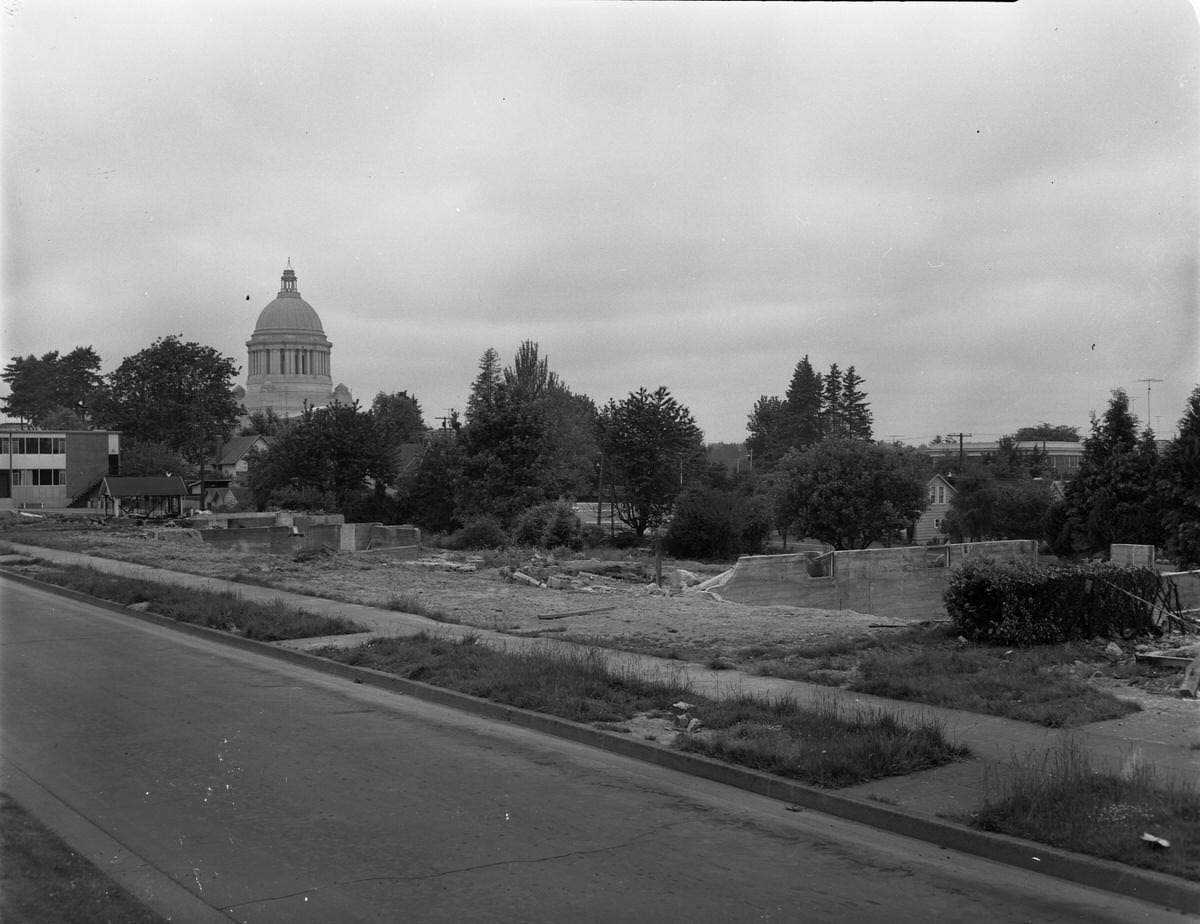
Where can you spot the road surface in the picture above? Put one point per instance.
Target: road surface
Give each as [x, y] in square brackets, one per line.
[220, 785]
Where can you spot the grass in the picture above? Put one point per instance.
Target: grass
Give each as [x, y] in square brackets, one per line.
[43, 881]
[822, 745]
[1064, 800]
[931, 666]
[265, 622]
[412, 603]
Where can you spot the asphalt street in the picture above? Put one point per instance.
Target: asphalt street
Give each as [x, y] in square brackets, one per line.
[220, 784]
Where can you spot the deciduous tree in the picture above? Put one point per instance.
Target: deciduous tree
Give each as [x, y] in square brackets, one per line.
[174, 392]
[851, 493]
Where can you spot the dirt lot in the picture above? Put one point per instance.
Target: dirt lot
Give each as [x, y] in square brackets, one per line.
[610, 603]
[613, 601]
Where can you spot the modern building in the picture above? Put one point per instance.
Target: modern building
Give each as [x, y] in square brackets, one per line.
[1063, 456]
[54, 468]
[288, 356]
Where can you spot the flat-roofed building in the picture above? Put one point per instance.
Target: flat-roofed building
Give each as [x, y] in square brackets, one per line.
[54, 468]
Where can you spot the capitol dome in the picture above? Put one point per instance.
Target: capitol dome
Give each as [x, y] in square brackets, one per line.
[288, 355]
[289, 311]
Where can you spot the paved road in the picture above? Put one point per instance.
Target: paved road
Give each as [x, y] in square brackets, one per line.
[270, 794]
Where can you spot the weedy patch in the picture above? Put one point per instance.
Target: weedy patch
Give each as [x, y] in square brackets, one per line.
[824, 745]
[1129, 814]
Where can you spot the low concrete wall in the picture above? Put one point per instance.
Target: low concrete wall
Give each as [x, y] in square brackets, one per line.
[900, 583]
[1123, 553]
[277, 540]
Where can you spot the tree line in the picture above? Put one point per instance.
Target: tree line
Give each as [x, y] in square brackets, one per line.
[528, 444]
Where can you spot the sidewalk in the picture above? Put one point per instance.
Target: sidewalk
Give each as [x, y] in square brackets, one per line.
[1164, 738]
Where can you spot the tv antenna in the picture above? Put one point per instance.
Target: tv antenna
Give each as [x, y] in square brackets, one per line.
[1148, 382]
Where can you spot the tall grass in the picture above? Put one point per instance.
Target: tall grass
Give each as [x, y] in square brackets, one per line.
[265, 622]
[983, 680]
[1065, 800]
[825, 746]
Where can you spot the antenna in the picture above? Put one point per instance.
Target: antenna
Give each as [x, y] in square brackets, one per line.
[1148, 381]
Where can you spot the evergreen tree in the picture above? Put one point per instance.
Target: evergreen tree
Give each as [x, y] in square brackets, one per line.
[1108, 498]
[53, 390]
[483, 389]
[855, 409]
[1178, 484]
[802, 408]
[833, 423]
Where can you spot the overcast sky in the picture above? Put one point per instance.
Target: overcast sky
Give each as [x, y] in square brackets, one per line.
[990, 210]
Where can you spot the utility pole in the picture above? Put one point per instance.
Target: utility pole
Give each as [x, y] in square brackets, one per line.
[961, 454]
[1148, 381]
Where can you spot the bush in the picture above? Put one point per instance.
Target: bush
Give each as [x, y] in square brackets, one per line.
[1024, 604]
[480, 533]
[716, 523]
[549, 526]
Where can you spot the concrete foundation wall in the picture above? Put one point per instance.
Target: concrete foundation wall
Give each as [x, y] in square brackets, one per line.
[277, 540]
[901, 583]
[1121, 553]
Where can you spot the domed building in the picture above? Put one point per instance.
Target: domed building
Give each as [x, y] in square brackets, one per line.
[288, 356]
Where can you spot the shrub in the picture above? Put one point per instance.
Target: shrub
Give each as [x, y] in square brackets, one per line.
[481, 533]
[713, 522]
[548, 526]
[1024, 604]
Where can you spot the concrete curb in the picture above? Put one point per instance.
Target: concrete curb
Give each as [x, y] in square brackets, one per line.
[1145, 885]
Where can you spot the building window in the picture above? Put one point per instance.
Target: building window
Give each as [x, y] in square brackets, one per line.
[18, 476]
[941, 494]
[932, 495]
[5, 445]
[48, 476]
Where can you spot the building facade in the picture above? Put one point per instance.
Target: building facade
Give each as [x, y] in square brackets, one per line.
[1063, 457]
[288, 356]
[54, 468]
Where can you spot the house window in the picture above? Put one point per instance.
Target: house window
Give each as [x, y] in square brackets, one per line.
[937, 524]
[941, 494]
[932, 495]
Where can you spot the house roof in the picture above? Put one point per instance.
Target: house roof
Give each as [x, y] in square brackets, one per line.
[148, 486]
[236, 447]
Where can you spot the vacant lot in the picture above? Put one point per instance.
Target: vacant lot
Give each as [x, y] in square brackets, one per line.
[604, 602]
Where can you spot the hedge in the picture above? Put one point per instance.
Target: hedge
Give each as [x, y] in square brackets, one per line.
[1025, 604]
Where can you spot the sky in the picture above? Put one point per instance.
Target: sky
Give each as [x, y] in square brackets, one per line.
[988, 209]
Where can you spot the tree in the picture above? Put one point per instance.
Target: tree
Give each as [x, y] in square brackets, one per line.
[833, 423]
[528, 440]
[399, 421]
[802, 408]
[1048, 432]
[334, 453]
[174, 392]
[428, 494]
[1110, 499]
[856, 416]
[483, 389]
[851, 493]
[265, 422]
[153, 459]
[1178, 488]
[53, 390]
[765, 425]
[651, 445]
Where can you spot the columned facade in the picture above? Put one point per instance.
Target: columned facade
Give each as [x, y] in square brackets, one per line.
[287, 358]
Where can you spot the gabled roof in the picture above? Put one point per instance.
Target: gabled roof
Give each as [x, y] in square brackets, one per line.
[147, 486]
[236, 447]
[944, 480]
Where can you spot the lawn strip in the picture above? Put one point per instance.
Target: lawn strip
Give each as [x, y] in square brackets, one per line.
[224, 610]
[823, 746]
[1065, 800]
